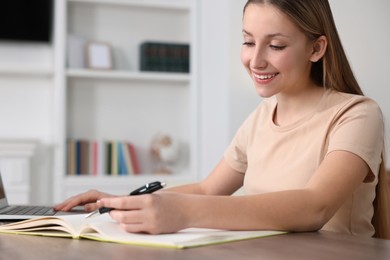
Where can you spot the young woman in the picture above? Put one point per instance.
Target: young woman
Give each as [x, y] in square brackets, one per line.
[308, 157]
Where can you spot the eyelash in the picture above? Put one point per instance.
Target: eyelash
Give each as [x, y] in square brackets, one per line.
[277, 47]
[248, 44]
[274, 47]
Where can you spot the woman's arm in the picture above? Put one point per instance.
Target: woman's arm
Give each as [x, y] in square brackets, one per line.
[306, 209]
[222, 181]
[295, 210]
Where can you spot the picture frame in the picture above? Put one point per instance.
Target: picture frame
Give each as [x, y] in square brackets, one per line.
[99, 56]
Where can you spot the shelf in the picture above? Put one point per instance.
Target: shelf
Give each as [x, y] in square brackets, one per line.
[26, 72]
[129, 75]
[17, 147]
[172, 4]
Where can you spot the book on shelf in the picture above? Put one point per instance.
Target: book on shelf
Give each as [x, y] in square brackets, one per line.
[81, 157]
[114, 158]
[127, 160]
[164, 57]
[85, 157]
[104, 229]
[71, 157]
[83, 168]
[95, 158]
[134, 158]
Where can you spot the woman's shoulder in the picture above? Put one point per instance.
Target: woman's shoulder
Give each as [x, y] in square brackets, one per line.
[343, 102]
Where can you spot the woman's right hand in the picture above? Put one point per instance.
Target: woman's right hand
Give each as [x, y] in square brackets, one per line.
[87, 199]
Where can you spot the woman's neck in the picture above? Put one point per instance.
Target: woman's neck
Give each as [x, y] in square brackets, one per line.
[293, 107]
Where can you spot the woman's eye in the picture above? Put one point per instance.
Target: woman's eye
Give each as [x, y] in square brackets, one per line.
[248, 43]
[277, 47]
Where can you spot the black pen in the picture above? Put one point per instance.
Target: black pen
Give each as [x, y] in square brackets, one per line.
[146, 189]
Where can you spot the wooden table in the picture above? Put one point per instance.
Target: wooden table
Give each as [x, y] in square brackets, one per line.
[315, 245]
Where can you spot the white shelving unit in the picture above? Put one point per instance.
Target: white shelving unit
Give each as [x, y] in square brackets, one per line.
[25, 72]
[124, 103]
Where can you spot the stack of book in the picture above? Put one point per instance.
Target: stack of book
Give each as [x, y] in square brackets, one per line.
[86, 157]
[164, 57]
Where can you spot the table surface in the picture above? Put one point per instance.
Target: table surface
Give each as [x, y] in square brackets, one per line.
[312, 245]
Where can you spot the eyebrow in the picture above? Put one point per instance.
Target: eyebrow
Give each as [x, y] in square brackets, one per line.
[272, 35]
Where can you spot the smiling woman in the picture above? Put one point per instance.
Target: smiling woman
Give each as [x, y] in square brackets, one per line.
[300, 155]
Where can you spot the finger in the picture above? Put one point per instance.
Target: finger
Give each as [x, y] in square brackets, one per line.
[142, 227]
[91, 207]
[66, 204]
[125, 203]
[131, 221]
[134, 228]
[127, 216]
[81, 199]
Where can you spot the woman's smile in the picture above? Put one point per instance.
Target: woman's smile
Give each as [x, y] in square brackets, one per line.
[264, 78]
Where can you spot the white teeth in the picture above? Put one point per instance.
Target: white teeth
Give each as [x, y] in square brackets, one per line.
[264, 77]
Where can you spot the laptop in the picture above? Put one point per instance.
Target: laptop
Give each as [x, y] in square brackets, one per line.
[21, 212]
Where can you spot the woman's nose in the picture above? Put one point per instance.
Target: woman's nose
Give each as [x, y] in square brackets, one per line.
[258, 60]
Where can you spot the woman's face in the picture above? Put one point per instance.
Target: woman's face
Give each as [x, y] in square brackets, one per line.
[275, 52]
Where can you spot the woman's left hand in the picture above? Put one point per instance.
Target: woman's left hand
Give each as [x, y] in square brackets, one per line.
[156, 213]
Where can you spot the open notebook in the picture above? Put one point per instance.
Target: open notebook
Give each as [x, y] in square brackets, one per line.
[103, 228]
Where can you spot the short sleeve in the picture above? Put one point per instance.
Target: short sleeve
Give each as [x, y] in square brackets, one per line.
[236, 153]
[359, 129]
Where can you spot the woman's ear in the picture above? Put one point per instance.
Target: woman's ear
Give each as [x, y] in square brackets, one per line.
[319, 48]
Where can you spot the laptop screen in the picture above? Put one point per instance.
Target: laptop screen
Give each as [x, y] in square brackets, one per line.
[3, 199]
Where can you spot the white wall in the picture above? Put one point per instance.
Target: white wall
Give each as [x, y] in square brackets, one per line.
[214, 49]
[25, 98]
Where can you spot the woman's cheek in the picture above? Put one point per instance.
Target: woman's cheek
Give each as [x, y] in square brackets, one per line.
[246, 58]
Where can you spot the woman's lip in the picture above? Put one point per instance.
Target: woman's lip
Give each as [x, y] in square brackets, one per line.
[264, 77]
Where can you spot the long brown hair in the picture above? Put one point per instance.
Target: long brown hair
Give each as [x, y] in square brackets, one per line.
[333, 71]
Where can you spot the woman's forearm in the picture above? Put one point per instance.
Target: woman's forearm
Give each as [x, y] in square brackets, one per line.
[290, 210]
[194, 188]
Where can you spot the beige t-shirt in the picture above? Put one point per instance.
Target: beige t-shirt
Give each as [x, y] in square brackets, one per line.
[275, 158]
